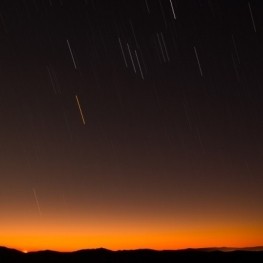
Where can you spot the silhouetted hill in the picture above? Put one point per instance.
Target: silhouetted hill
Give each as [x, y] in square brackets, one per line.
[10, 255]
[101, 255]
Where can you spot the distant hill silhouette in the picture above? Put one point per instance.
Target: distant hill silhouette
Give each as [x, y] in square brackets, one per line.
[101, 255]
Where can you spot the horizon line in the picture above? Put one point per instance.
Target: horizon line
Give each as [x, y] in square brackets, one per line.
[219, 248]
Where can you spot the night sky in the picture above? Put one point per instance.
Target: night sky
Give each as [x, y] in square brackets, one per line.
[131, 124]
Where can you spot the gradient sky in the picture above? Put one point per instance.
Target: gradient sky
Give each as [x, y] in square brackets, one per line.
[131, 124]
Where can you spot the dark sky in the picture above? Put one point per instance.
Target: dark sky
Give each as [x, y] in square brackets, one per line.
[131, 123]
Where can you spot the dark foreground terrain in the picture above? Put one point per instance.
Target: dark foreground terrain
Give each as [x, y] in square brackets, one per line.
[133, 256]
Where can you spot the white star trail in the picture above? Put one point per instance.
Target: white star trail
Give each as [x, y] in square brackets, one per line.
[172, 9]
[252, 17]
[201, 72]
[160, 44]
[235, 47]
[52, 80]
[147, 6]
[165, 48]
[122, 51]
[131, 58]
[37, 202]
[71, 53]
[139, 64]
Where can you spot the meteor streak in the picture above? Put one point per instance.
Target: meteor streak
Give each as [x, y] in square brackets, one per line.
[37, 202]
[80, 110]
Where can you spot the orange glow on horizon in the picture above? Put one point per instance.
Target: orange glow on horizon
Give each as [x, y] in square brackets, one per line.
[118, 231]
[120, 239]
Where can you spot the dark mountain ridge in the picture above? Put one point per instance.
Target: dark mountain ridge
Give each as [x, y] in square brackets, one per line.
[101, 255]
